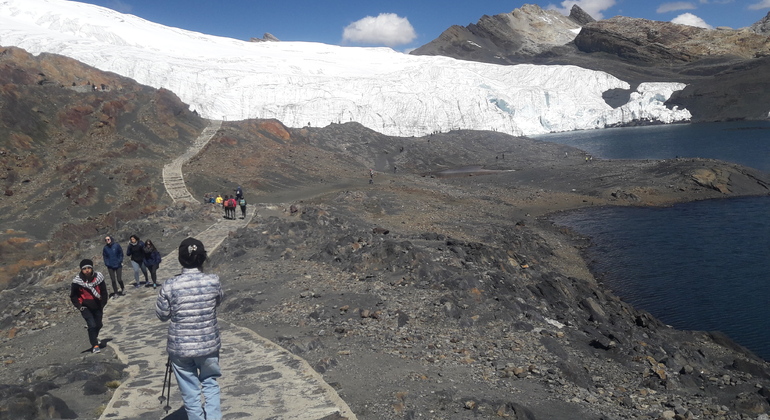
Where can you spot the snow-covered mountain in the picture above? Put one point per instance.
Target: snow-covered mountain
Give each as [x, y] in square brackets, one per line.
[301, 83]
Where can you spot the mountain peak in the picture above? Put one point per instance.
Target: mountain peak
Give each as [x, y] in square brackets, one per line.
[580, 16]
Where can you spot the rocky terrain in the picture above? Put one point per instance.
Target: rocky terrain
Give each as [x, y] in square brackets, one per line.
[440, 290]
[725, 69]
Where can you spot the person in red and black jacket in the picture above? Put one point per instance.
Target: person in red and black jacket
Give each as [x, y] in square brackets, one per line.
[88, 294]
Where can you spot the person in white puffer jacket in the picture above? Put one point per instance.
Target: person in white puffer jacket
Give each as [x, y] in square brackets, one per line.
[189, 301]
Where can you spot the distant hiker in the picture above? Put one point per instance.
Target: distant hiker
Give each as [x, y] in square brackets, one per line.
[88, 294]
[189, 301]
[238, 193]
[135, 250]
[229, 206]
[112, 254]
[219, 200]
[152, 261]
[371, 173]
[242, 203]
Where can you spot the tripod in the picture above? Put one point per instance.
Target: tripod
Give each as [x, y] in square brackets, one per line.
[166, 382]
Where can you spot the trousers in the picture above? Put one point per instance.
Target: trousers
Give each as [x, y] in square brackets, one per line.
[139, 267]
[116, 275]
[93, 319]
[197, 377]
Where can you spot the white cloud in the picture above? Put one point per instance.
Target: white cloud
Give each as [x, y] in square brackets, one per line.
[691, 20]
[592, 7]
[672, 7]
[764, 4]
[386, 29]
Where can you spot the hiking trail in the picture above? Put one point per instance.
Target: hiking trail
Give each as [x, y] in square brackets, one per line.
[260, 380]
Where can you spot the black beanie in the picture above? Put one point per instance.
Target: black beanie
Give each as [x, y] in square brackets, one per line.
[86, 263]
[192, 254]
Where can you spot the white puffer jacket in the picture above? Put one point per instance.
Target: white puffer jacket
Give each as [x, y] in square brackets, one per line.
[189, 301]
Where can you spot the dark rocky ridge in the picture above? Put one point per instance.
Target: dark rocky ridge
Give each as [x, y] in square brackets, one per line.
[634, 50]
[419, 295]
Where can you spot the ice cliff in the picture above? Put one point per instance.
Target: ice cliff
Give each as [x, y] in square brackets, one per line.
[304, 83]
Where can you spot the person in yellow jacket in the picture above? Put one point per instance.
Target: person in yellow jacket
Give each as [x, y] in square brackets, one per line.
[219, 199]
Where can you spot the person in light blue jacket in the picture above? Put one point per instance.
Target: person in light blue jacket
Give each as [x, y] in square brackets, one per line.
[189, 301]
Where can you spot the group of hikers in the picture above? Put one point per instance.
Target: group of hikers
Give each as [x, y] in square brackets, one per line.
[144, 257]
[188, 300]
[229, 203]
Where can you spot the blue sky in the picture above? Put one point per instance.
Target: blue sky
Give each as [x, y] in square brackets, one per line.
[403, 24]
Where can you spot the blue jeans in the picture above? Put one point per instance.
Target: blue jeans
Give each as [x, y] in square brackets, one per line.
[197, 376]
[137, 267]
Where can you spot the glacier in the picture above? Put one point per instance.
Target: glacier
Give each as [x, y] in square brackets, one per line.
[306, 83]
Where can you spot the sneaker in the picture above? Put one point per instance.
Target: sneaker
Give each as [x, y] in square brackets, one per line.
[154, 286]
[96, 349]
[136, 285]
[148, 285]
[120, 293]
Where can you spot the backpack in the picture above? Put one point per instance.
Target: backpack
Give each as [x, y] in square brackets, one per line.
[242, 202]
[230, 203]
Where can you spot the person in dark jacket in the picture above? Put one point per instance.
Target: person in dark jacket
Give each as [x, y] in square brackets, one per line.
[88, 294]
[190, 302]
[238, 193]
[112, 254]
[135, 250]
[152, 261]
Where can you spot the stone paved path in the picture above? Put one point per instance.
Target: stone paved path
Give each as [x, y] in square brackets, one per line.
[260, 380]
[172, 172]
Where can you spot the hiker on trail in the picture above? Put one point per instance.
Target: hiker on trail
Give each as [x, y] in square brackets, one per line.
[135, 250]
[238, 193]
[226, 207]
[242, 203]
[219, 199]
[189, 301]
[88, 294]
[112, 254]
[230, 207]
[152, 261]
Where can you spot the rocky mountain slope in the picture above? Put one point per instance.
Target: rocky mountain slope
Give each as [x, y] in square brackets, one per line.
[635, 50]
[82, 151]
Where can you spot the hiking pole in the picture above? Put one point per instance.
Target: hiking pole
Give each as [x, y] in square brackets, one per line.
[166, 380]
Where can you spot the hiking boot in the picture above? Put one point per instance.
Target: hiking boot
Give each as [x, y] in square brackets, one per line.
[154, 286]
[96, 349]
[148, 285]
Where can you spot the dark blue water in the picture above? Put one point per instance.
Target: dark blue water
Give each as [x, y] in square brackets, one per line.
[696, 266]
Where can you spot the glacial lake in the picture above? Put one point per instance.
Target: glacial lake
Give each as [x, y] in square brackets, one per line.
[696, 266]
